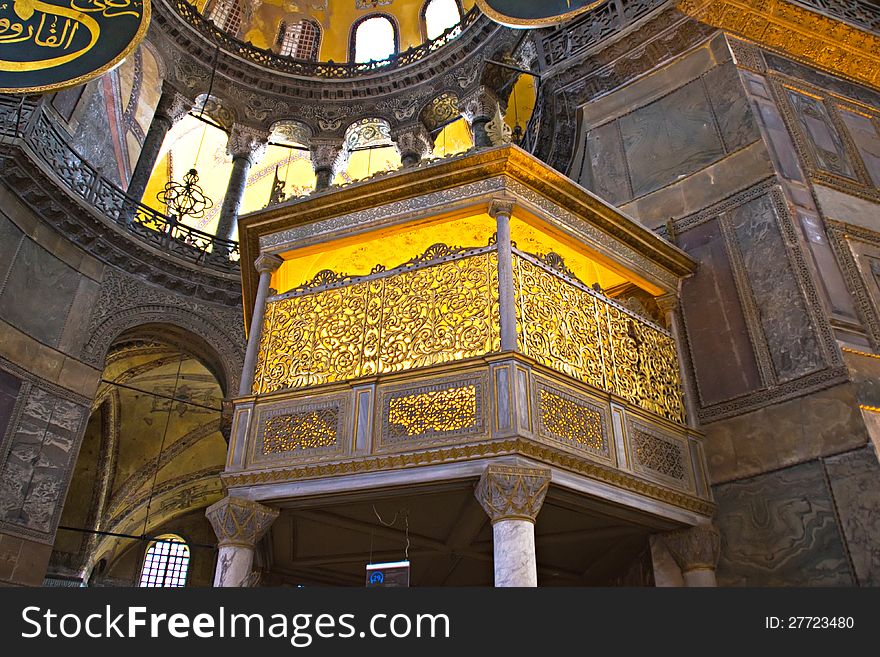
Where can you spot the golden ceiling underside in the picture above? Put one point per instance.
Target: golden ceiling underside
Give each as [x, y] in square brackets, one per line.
[801, 34]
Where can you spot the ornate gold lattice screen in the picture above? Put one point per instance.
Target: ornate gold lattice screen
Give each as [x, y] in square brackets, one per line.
[440, 307]
[565, 325]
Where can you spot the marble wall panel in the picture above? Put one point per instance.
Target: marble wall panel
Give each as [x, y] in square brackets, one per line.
[824, 142]
[670, 138]
[9, 388]
[604, 168]
[10, 239]
[716, 332]
[867, 141]
[781, 307]
[38, 293]
[34, 476]
[855, 481]
[731, 107]
[779, 529]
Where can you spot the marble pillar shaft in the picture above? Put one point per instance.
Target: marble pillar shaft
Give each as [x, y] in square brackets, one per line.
[253, 344]
[234, 565]
[514, 548]
[234, 194]
[506, 297]
[699, 577]
[149, 154]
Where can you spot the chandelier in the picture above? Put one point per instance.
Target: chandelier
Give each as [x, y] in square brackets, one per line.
[186, 198]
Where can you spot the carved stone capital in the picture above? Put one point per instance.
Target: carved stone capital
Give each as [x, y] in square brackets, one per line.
[481, 104]
[413, 142]
[502, 206]
[239, 522]
[328, 154]
[512, 493]
[246, 142]
[694, 548]
[267, 263]
[668, 303]
[173, 105]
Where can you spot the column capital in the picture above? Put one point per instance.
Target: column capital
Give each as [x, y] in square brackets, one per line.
[694, 548]
[240, 522]
[667, 303]
[328, 153]
[501, 205]
[267, 262]
[246, 142]
[172, 105]
[512, 493]
[413, 142]
[481, 103]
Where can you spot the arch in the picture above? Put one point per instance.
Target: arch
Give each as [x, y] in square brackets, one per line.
[186, 330]
[299, 38]
[379, 32]
[166, 562]
[440, 110]
[291, 132]
[432, 15]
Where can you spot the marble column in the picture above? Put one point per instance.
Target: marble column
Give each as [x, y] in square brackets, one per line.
[239, 524]
[512, 497]
[696, 550]
[478, 108]
[413, 142]
[246, 146]
[669, 306]
[265, 264]
[172, 107]
[328, 158]
[501, 209]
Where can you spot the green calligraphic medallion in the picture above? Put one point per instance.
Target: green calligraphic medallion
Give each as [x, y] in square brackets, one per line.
[534, 13]
[52, 44]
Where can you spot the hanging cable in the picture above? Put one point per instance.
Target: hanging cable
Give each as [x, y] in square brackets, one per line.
[161, 448]
[205, 103]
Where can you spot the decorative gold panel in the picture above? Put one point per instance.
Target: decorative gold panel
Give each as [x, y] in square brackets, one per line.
[581, 334]
[409, 318]
[571, 420]
[311, 429]
[444, 411]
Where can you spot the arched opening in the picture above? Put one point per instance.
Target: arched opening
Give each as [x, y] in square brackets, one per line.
[166, 563]
[373, 38]
[149, 465]
[369, 150]
[439, 16]
[299, 38]
[227, 15]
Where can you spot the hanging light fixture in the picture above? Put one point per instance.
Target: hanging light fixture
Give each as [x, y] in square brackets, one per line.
[188, 199]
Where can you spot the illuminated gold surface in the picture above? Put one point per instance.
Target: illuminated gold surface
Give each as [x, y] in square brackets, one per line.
[437, 411]
[796, 32]
[587, 338]
[565, 418]
[300, 431]
[357, 256]
[416, 318]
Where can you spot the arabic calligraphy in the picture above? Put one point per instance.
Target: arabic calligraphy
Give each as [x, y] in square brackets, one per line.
[48, 35]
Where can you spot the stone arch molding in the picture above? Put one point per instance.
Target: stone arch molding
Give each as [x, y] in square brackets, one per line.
[126, 304]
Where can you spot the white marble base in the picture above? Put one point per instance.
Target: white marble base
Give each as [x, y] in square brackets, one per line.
[515, 563]
[234, 565]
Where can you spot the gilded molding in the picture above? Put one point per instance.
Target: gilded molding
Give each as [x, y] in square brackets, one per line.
[795, 32]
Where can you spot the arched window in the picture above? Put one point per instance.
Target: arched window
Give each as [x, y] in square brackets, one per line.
[300, 39]
[226, 14]
[373, 38]
[438, 16]
[165, 563]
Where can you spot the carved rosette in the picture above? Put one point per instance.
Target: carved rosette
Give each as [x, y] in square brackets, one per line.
[512, 493]
[694, 548]
[328, 155]
[173, 105]
[481, 104]
[413, 142]
[267, 263]
[246, 142]
[239, 522]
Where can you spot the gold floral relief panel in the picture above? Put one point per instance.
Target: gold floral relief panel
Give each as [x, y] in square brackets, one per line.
[574, 332]
[420, 317]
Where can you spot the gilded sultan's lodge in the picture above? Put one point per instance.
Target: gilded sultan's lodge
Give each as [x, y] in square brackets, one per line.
[305, 285]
